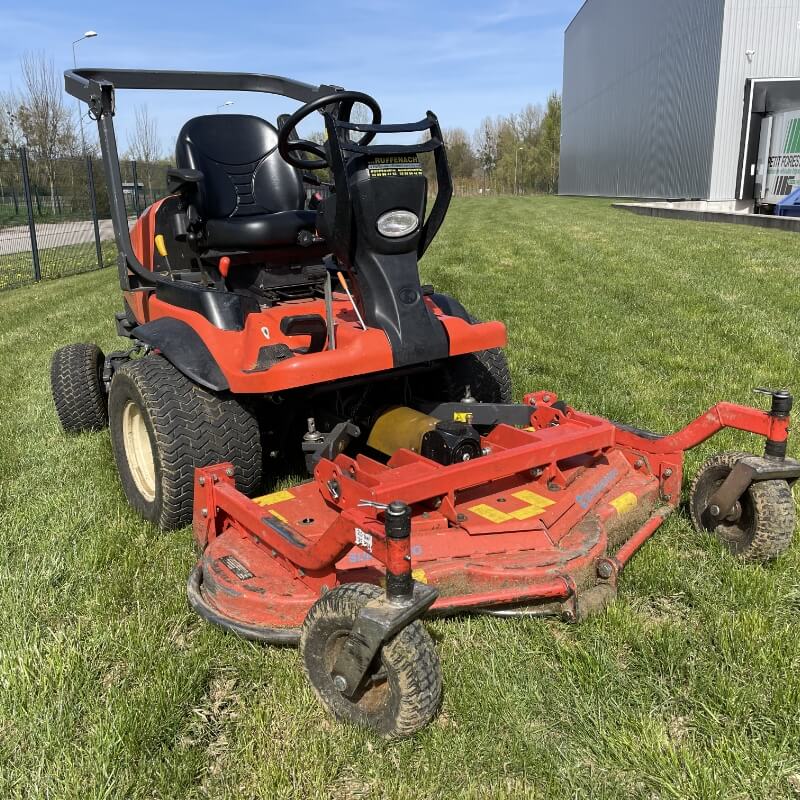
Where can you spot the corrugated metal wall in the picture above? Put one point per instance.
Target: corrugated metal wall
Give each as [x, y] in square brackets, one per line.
[639, 98]
[771, 28]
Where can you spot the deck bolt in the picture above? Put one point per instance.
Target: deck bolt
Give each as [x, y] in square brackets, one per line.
[668, 497]
[714, 511]
[668, 473]
[639, 463]
[461, 518]
[486, 451]
[537, 472]
[273, 553]
[546, 398]
[406, 558]
[215, 478]
[604, 569]
[339, 683]
[201, 480]
[203, 512]
[229, 472]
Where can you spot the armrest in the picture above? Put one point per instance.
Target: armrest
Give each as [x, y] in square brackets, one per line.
[182, 180]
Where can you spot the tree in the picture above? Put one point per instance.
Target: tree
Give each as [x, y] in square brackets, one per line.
[46, 124]
[144, 147]
[460, 157]
[550, 143]
[144, 144]
[485, 146]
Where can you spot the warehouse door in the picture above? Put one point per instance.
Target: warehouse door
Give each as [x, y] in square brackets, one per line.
[770, 106]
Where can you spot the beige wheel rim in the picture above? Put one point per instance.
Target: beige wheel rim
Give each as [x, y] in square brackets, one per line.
[139, 450]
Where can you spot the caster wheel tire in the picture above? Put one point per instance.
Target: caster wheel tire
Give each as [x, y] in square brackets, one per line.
[76, 381]
[163, 426]
[401, 693]
[762, 522]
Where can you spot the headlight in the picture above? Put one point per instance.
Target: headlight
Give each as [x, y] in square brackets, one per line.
[397, 223]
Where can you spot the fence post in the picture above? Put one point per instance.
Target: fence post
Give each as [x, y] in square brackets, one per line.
[93, 203]
[26, 184]
[135, 188]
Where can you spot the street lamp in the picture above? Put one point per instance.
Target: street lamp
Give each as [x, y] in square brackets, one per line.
[516, 162]
[87, 35]
[226, 103]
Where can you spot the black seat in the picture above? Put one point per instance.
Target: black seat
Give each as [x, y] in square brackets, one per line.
[248, 197]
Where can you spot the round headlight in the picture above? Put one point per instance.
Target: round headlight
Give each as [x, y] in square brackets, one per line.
[397, 223]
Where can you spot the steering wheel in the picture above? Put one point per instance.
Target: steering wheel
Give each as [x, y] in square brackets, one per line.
[345, 100]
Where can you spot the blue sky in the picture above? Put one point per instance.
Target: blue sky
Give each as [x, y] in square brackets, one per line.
[464, 60]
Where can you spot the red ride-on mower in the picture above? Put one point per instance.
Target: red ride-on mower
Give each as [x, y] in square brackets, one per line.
[266, 323]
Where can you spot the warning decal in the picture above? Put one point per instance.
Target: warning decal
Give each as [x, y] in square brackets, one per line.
[275, 497]
[536, 504]
[237, 568]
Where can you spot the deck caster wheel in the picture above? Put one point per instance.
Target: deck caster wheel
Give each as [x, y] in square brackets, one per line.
[76, 381]
[761, 524]
[401, 692]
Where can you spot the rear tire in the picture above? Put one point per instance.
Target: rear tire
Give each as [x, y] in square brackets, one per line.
[76, 381]
[761, 526]
[163, 426]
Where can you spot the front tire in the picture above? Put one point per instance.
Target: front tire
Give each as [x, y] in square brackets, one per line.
[762, 523]
[402, 692]
[485, 373]
[163, 426]
[76, 382]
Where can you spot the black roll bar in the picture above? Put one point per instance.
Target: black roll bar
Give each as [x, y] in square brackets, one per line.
[95, 86]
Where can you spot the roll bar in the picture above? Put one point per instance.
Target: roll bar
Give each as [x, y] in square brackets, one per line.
[96, 86]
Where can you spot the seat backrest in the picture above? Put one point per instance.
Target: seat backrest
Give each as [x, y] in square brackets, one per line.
[243, 173]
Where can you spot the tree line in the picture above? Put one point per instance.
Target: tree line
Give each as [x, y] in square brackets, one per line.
[57, 135]
[514, 154]
[517, 154]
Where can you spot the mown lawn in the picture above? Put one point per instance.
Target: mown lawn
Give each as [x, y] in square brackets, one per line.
[688, 687]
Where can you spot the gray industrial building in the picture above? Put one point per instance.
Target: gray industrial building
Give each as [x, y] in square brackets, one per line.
[682, 100]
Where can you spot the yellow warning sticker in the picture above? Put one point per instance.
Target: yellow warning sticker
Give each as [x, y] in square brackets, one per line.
[462, 416]
[527, 512]
[533, 499]
[419, 575]
[625, 502]
[492, 514]
[536, 505]
[278, 516]
[275, 497]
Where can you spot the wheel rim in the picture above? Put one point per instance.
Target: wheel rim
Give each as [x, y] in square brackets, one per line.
[737, 529]
[374, 695]
[139, 450]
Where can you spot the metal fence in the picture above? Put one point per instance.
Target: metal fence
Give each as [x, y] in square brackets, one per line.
[54, 213]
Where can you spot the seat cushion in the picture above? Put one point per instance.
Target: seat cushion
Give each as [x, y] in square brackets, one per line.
[262, 230]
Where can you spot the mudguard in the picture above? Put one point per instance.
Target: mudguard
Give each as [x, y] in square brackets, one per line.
[180, 344]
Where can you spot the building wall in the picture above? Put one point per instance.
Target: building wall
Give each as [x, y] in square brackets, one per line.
[639, 98]
[772, 29]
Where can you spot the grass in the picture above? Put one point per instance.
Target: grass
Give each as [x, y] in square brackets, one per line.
[16, 269]
[688, 687]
